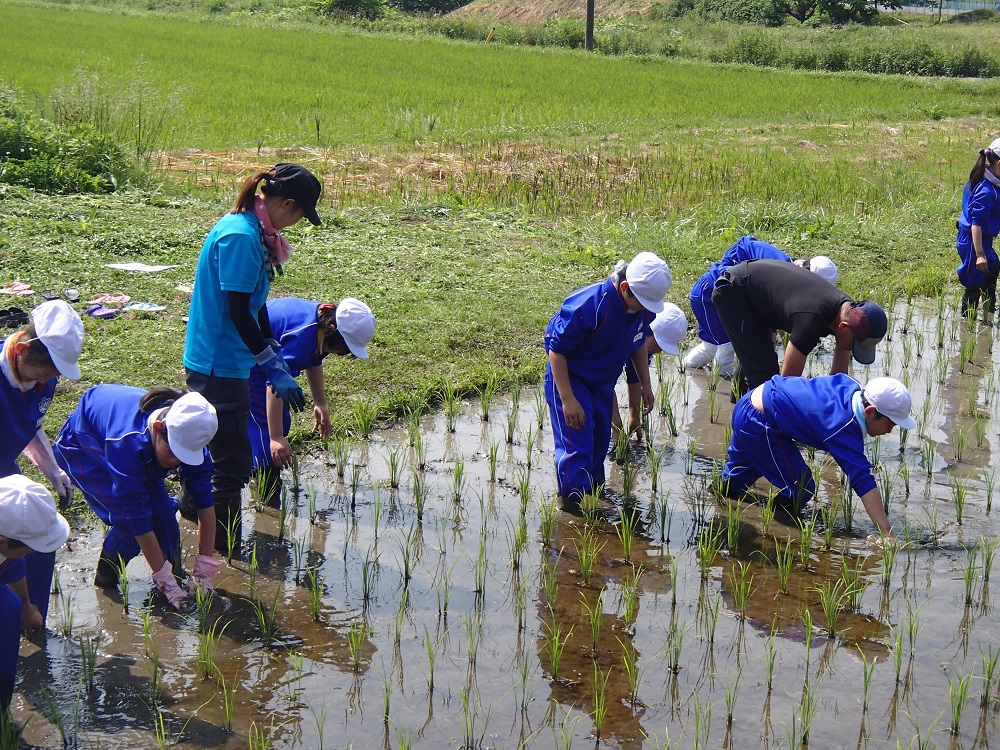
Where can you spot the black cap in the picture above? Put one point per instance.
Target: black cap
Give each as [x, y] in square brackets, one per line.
[298, 183]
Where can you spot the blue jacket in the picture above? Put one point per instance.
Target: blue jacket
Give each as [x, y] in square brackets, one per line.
[597, 334]
[21, 414]
[980, 207]
[293, 323]
[819, 412]
[106, 448]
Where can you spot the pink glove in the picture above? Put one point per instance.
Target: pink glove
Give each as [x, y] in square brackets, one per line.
[167, 584]
[205, 567]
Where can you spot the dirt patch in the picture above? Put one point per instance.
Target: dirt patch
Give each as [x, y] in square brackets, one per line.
[544, 10]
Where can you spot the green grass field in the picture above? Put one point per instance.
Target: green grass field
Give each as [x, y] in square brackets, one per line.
[470, 188]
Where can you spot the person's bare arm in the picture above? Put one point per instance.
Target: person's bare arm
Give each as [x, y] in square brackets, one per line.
[572, 411]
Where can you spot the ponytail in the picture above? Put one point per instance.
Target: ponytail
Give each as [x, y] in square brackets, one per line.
[157, 397]
[248, 193]
[978, 173]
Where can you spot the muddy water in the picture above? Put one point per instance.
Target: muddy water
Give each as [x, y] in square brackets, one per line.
[458, 586]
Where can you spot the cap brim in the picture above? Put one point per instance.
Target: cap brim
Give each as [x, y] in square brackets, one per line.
[907, 424]
[52, 541]
[313, 216]
[185, 456]
[654, 306]
[361, 352]
[666, 346]
[864, 351]
[69, 370]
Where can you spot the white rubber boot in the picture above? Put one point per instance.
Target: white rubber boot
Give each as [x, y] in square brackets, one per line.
[700, 355]
[725, 358]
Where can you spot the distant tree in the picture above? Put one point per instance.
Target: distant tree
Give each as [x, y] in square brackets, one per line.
[802, 10]
[857, 11]
[363, 8]
[428, 6]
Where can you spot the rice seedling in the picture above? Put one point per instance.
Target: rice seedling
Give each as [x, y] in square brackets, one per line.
[208, 647]
[734, 516]
[266, 616]
[284, 508]
[420, 494]
[770, 656]
[443, 593]
[828, 517]
[806, 530]
[709, 544]
[524, 488]
[312, 495]
[521, 603]
[710, 615]
[630, 473]
[990, 481]
[88, 658]
[458, 480]
[340, 453]
[630, 662]
[486, 393]
[600, 706]
[517, 541]
[357, 634]
[855, 583]
[958, 698]
[959, 498]
[988, 552]
[479, 570]
[831, 596]
[357, 474]
[394, 462]
[528, 437]
[959, 440]
[702, 718]
[430, 647]
[400, 616]
[123, 582]
[890, 551]
[555, 644]
[989, 660]
[588, 550]
[491, 456]
[691, 454]
[67, 612]
[258, 738]
[897, 652]
[296, 477]
[314, 586]
[319, 719]
[419, 452]
[912, 627]
[511, 427]
[369, 574]
[452, 404]
[970, 573]
[472, 737]
[146, 621]
[593, 615]
[68, 732]
[654, 458]
[630, 595]
[550, 582]
[155, 676]
[202, 607]
[547, 521]
[732, 691]
[807, 711]
[540, 408]
[674, 645]
[768, 510]
[626, 529]
[967, 353]
[472, 627]
[713, 412]
[252, 569]
[665, 514]
[741, 586]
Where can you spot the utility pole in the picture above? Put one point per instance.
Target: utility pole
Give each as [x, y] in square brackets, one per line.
[589, 41]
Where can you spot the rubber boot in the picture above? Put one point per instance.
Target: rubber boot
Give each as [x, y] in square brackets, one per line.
[228, 525]
[700, 355]
[725, 358]
[108, 571]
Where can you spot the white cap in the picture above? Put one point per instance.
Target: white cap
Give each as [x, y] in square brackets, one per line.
[356, 324]
[191, 424]
[669, 327]
[28, 513]
[649, 279]
[824, 267]
[892, 400]
[60, 330]
[995, 146]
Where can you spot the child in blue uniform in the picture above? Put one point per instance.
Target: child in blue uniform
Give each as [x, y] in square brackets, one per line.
[117, 447]
[31, 362]
[229, 330]
[977, 226]
[307, 332]
[29, 523]
[714, 340]
[596, 331]
[668, 330]
[831, 413]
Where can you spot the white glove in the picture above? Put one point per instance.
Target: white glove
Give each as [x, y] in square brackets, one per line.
[167, 584]
[205, 567]
[62, 487]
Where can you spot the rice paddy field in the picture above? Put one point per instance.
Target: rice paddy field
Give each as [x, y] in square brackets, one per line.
[420, 589]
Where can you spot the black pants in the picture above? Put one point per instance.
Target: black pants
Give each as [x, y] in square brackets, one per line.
[751, 337]
[988, 292]
[230, 450]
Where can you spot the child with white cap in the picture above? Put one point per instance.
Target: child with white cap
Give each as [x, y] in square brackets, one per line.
[307, 332]
[668, 328]
[117, 447]
[715, 343]
[978, 224]
[29, 523]
[596, 331]
[31, 362]
[832, 413]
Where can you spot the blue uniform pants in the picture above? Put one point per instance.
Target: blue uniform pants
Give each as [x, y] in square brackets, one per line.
[710, 326]
[10, 643]
[580, 454]
[758, 449]
[119, 543]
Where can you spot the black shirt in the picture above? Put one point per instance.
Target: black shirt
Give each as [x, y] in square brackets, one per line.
[791, 298]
